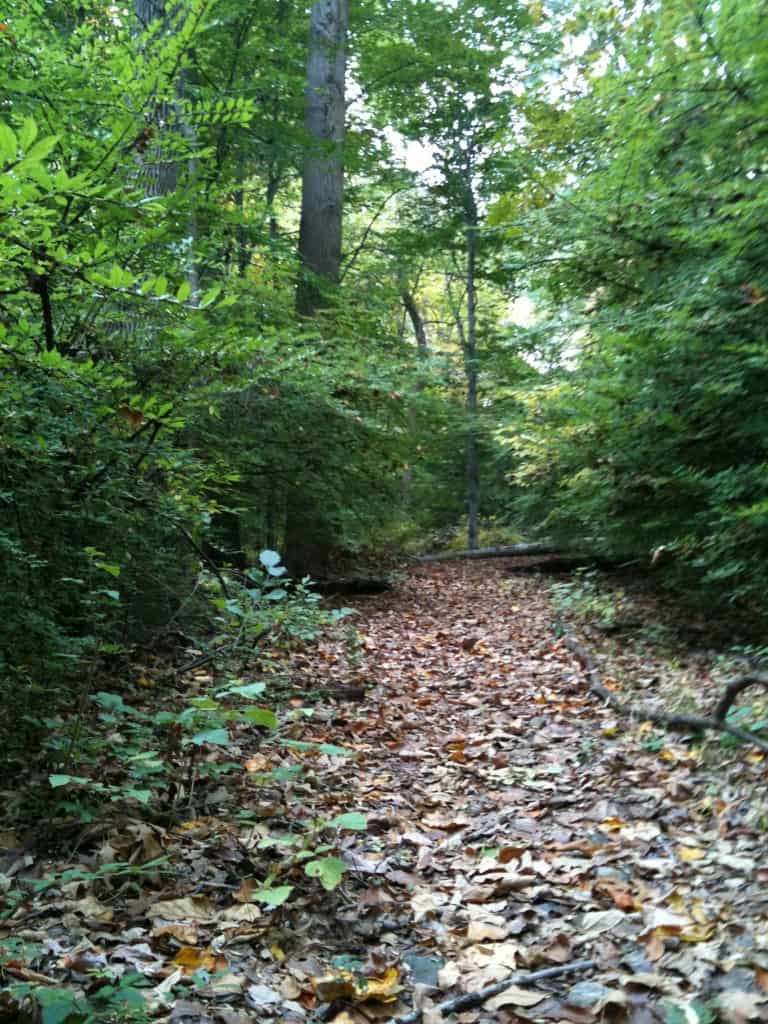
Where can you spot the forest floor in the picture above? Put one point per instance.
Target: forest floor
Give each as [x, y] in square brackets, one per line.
[514, 824]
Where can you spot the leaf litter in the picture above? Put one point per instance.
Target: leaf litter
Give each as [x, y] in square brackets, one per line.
[513, 825]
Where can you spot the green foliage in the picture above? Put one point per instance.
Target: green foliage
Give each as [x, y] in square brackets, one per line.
[113, 752]
[311, 849]
[160, 405]
[120, 1000]
[651, 436]
[585, 598]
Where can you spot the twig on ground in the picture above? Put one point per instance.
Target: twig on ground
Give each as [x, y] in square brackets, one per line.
[471, 999]
[641, 712]
[27, 974]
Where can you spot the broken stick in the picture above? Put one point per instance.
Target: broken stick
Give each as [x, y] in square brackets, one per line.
[644, 713]
[471, 999]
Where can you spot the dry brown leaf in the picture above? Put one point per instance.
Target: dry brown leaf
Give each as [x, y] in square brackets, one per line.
[514, 996]
[481, 931]
[186, 908]
[186, 934]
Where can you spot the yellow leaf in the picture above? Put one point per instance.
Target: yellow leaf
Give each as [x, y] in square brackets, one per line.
[611, 825]
[330, 987]
[342, 984]
[192, 960]
[697, 933]
[676, 901]
[384, 988]
[690, 853]
[9, 840]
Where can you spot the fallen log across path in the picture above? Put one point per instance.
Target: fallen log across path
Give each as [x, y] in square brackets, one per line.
[509, 551]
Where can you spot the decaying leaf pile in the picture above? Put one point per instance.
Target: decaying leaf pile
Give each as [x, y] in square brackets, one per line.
[514, 824]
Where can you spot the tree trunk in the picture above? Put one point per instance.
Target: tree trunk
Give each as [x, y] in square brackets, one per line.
[322, 203]
[470, 362]
[159, 176]
[417, 322]
[323, 179]
[422, 347]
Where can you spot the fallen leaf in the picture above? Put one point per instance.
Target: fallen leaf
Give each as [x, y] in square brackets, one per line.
[514, 996]
[187, 908]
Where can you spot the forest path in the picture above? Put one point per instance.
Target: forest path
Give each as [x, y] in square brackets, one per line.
[513, 825]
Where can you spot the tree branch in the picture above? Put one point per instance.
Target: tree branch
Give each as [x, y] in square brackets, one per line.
[642, 712]
[469, 1000]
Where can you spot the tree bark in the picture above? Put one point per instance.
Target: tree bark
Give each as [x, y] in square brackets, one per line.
[470, 362]
[159, 176]
[422, 347]
[323, 178]
[417, 322]
[510, 551]
[322, 207]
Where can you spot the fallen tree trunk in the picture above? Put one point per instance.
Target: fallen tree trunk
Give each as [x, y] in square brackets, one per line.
[672, 720]
[535, 548]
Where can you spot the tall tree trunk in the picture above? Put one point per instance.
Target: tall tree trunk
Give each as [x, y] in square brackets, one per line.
[159, 176]
[322, 197]
[322, 202]
[470, 362]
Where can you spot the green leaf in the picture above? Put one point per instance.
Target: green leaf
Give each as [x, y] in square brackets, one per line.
[112, 701]
[273, 897]
[61, 780]
[142, 795]
[330, 871]
[42, 147]
[184, 291]
[160, 285]
[28, 133]
[689, 1013]
[217, 736]
[210, 296]
[9, 144]
[261, 716]
[351, 820]
[323, 748]
[248, 691]
[112, 567]
[269, 559]
[205, 703]
[56, 1004]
